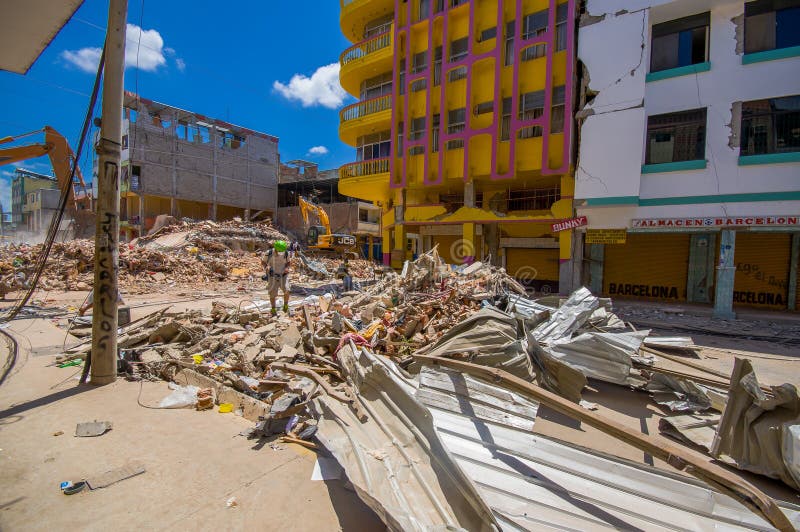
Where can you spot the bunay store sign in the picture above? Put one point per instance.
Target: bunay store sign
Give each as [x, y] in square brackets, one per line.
[734, 221]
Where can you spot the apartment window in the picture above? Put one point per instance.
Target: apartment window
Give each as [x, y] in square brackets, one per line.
[557, 110]
[457, 74]
[771, 25]
[124, 142]
[509, 46]
[401, 77]
[488, 33]
[399, 140]
[456, 120]
[363, 215]
[416, 150]
[681, 42]
[378, 26]
[454, 3]
[534, 24]
[435, 134]
[561, 27]
[424, 9]
[437, 66]
[536, 199]
[483, 108]
[376, 86]
[419, 62]
[375, 146]
[531, 106]
[417, 128]
[459, 49]
[505, 122]
[675, 137]
[456, 123]
[419, 85]
[136, 174]
[771, 126]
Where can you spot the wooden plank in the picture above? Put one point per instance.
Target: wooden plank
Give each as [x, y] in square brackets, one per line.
[679, 458]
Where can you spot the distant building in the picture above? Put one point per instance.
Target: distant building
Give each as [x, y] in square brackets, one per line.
[347, 215]
[24, 198]
[184, 164]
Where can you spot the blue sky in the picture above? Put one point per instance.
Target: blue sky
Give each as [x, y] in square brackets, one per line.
[269, 66]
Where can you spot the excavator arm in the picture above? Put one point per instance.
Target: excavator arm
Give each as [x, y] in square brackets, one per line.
[306, 206]
[62, 158]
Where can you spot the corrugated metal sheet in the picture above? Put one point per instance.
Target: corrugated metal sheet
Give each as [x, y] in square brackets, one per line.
[535, 483]
[394, 458]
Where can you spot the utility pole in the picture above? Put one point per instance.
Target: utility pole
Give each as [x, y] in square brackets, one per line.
[106, 250]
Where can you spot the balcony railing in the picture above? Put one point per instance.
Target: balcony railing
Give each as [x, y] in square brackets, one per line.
[364, 48]
[364, 168]
[365, 108]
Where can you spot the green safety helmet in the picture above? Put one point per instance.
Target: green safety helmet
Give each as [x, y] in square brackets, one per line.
[280, 245]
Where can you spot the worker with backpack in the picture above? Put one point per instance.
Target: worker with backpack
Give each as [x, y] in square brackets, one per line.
[277, 263]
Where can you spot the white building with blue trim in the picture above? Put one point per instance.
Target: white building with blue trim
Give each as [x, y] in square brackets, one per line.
[689, 131]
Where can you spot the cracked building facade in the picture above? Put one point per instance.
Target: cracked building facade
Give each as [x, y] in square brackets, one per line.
[463, 130]
[689, 160]
[185, 164]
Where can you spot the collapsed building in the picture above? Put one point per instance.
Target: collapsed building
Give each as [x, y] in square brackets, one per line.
[425, 386]
[347, 215]
[184, 164]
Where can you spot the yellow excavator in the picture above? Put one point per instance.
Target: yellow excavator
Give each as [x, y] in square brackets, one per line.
[320, 236]
[56, 147]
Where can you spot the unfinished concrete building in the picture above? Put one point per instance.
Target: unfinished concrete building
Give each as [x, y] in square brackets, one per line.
[347, 215]
[187, 165]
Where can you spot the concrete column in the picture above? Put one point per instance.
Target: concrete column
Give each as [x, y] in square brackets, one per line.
[491, 237]
[371, 242]
[398, 256]
[726, 271]
[469, 194]
[794, 265]
[564, 262]
[467, 250]
[106, 250]
[214, 174]
[141, 214]
[596, 264]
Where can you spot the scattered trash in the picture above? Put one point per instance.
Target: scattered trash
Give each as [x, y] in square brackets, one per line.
[58, 433]
[92, 428]
[70, 488]
[181, 397]
[225, 408]
[232, 502]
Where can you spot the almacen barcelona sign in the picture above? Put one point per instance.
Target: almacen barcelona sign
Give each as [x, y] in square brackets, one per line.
[732, 221]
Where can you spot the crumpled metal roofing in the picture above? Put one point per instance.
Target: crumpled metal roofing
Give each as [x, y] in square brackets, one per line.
[395, 459]
[535, 483]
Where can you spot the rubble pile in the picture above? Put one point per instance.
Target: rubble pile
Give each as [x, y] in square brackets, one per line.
[204, 253]
[361, 372]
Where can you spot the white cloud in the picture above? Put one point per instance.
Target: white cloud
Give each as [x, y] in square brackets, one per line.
[85, 59]
[318, 150]
[181, 64]
[147, 45]
[322, 88]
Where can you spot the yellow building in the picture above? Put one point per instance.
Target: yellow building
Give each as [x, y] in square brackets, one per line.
[460, 130]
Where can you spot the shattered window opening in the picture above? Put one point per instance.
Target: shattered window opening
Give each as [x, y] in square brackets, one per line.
[771, 126]
[675, 137]
[680, 42]
[771, 25]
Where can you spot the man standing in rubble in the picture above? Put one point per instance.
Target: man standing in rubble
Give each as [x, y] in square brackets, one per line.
[277, 263]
